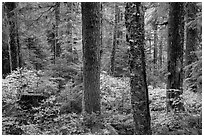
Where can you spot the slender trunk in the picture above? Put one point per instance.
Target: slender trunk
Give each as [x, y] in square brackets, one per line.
[101, 31]
[160, 52]
[91, 23]
[13, 39]
[18, 50]
[57, 19]
[150, 51]
[69, 27]
[175, 55]
[155, 46]
[10, 58]
[114, 41]
[191, 34]
[134, 17]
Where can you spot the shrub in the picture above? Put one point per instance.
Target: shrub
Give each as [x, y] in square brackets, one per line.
[193, 74]
[25, 81]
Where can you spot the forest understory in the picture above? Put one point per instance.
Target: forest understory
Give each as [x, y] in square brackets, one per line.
[54, 117]
[101, 68]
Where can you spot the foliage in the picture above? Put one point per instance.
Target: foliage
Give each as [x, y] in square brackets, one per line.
[187, 122]
[194, 74]
[57, 115]
[63, 69]
[116, 113]
[25, 81]
[35, 56]
[115, 94]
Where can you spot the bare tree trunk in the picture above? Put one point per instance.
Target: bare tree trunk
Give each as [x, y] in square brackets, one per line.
[115, 34]
[155, 46]
[160, 52]
[57, 19]
[10, 57]
[134, 17]
[175, 55]
[91, 23]
[13, 35]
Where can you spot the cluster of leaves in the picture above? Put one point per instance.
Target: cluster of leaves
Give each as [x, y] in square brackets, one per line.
[47, 119]
[178, 124]
[187, 122]
[64, 69]
[25, 81]
[193, 102]
[194, 73]
[115, 93]
[50, 121]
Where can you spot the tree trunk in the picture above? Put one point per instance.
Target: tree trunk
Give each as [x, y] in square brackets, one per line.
[57, 19]
[191, 34]
[101, 32]
[69, 27]
[155, 46]
[13, 35]
[115, 34]
[6, 52]
[160, 52]
[91, 20]
[134, 20]
[175, 55]
[17, 40]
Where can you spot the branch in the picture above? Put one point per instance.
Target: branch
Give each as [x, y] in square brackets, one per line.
[164, 23]
[43, 13]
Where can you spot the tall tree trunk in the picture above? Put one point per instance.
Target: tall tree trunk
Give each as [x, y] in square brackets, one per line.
[69, 28]
[57, 19]
[6, 51]
[160, 52]
[91, 20]
[191, 34]
[134, 20]
[115, 34]
[101, 32]
[155, 53]
[13, 35]
[18, 55]
[155, 46]
[175, 55]
[150, 52]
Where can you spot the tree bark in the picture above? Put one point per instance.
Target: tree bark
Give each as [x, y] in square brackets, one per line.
[115, 34]
[175, 55]
[160, 52]
[91, 20]
[57, 19]
[191, 34]
[134, 20]
[13, 35]
[155, 46]
[6, 52]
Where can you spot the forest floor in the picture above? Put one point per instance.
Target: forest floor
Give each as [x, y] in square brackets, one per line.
[116, 113]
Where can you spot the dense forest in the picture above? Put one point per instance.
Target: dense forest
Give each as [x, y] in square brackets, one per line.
[101, 68]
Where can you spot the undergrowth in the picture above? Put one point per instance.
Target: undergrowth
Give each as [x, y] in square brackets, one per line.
[116, 116]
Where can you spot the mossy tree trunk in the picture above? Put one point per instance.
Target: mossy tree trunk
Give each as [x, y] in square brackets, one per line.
[134, 20]
[175, 55]
[91, 20]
